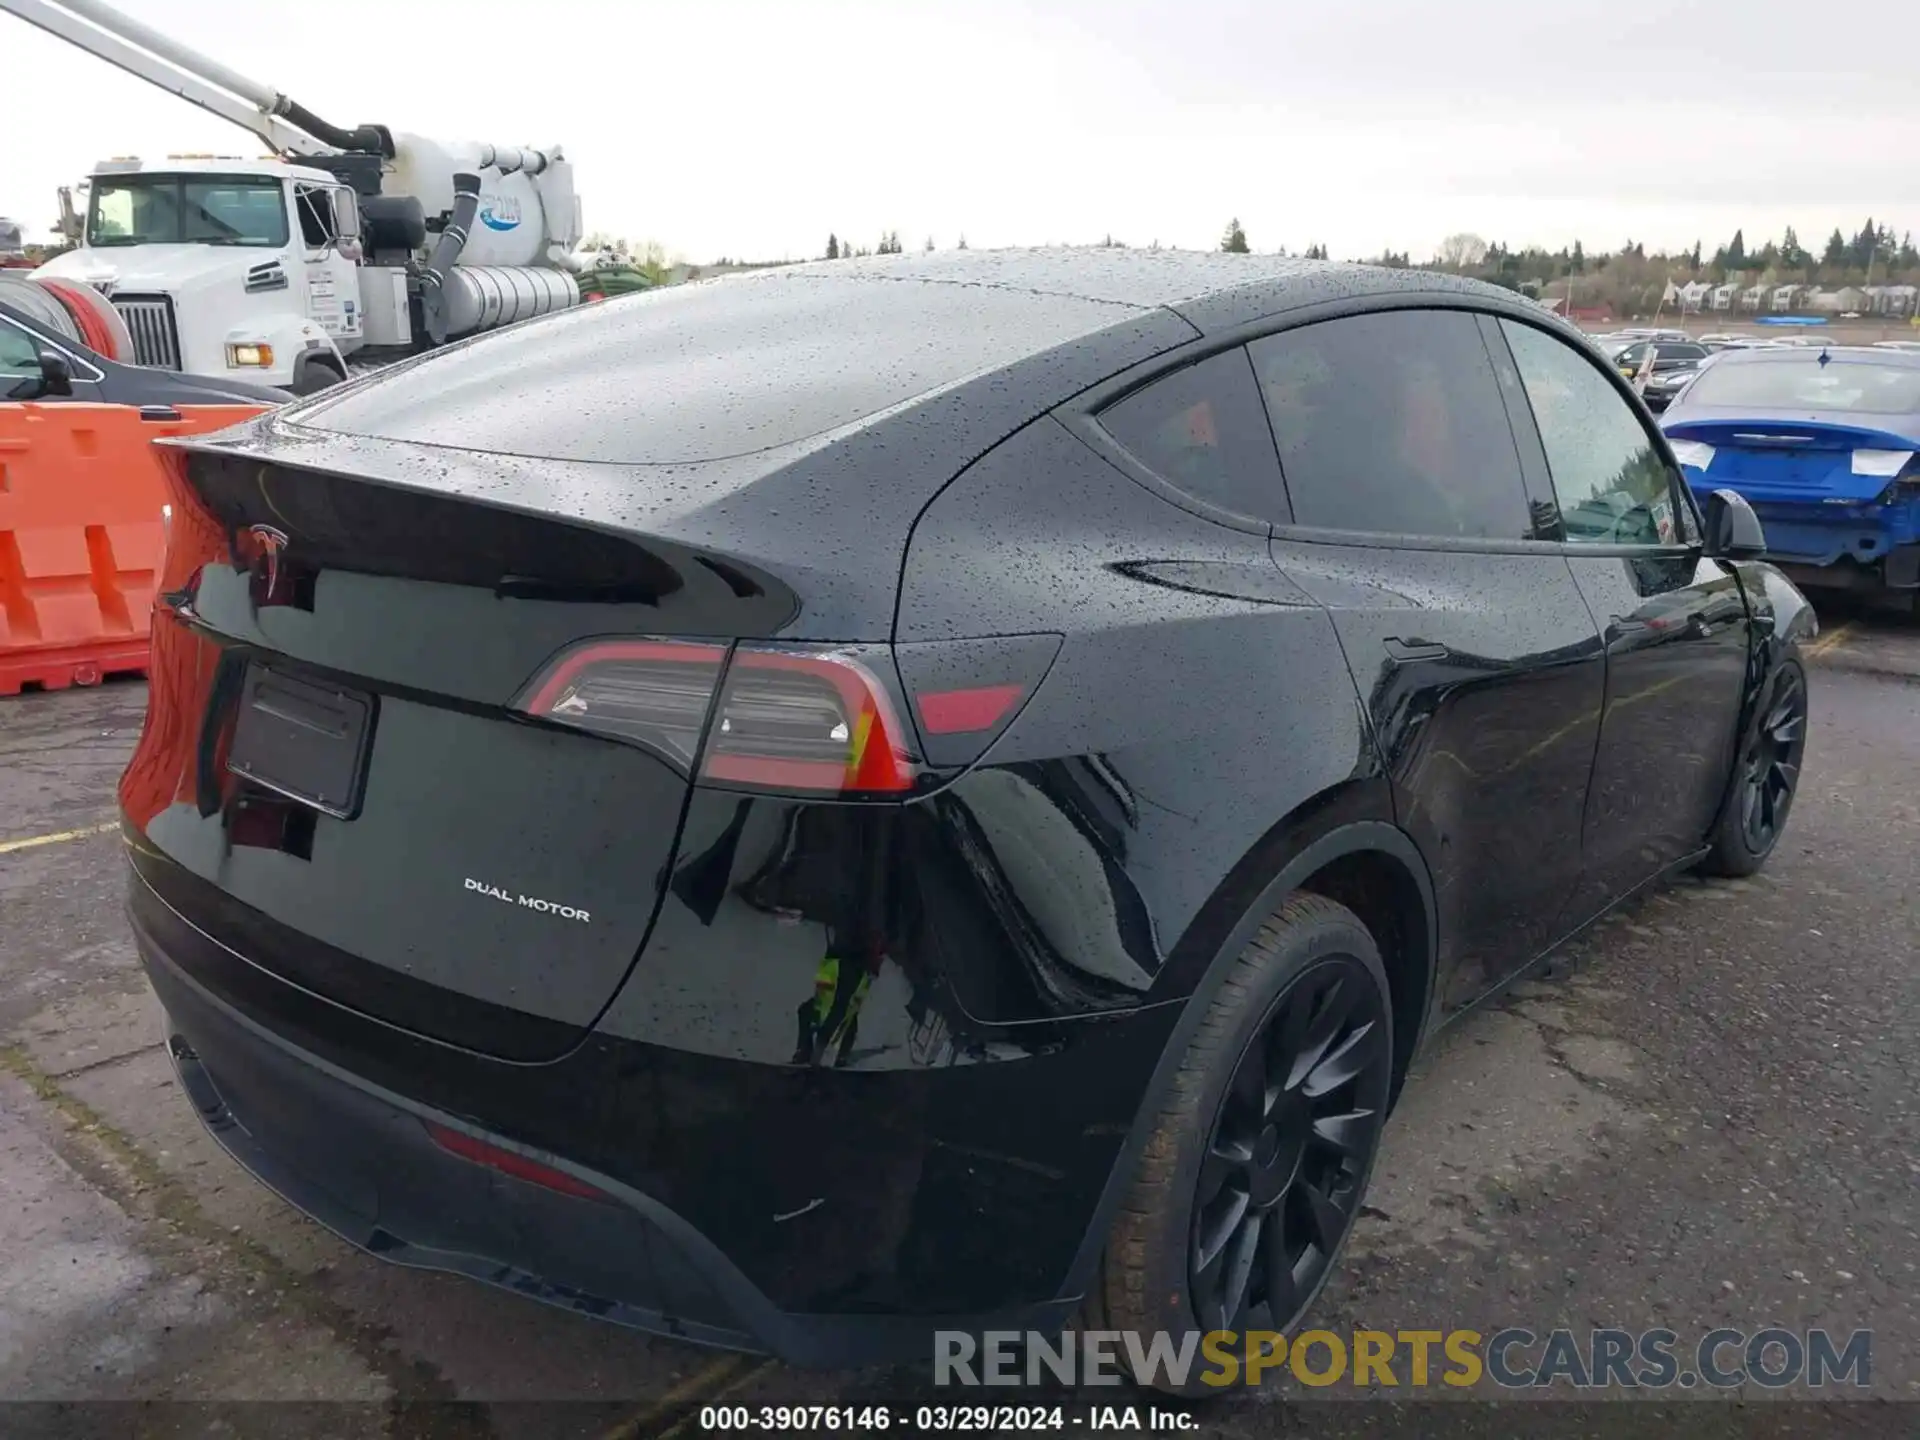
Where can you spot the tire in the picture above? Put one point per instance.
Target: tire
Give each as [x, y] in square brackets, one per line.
[314, 378]
[1770, 756]
[1309, 957]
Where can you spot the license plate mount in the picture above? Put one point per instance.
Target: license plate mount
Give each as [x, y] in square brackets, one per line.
[304, 739]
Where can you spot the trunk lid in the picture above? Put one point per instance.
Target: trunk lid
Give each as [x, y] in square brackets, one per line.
[1794, 462]
[333, 780]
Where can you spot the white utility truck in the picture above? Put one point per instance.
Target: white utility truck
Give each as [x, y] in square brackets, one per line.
[362, 242]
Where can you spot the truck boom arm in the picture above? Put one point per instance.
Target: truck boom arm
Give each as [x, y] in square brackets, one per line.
[138, 49]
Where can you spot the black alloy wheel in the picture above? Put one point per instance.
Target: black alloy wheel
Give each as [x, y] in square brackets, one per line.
[1770, 770]
[1286, 1163]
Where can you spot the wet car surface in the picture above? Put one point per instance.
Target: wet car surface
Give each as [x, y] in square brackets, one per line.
[842, 1008]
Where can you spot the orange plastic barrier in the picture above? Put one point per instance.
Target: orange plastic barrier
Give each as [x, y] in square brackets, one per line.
[81, 536]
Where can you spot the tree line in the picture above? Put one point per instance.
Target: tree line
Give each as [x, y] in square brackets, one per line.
[1631, 278]
[838, 249]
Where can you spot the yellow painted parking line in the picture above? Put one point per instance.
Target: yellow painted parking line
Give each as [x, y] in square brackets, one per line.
[687, 1423]
[671, 1407]
[1832, 638]
[59, 837]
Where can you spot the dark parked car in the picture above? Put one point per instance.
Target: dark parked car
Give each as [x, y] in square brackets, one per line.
[1663, 385]
[37, 362]
[1825, 445]
[1667, 355]
[806, 809]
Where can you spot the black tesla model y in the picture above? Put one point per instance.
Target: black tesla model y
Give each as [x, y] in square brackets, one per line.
[884, 796]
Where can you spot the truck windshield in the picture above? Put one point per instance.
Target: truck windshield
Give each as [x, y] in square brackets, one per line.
[186, 210]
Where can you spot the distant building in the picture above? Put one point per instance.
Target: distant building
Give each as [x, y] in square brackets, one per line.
[1899, 300]
[1722, 297]
[1848, 300]
[1754, 297]
[1786, 297]
[1693, 295]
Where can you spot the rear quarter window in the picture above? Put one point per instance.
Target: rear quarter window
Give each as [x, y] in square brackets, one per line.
[1201, 429]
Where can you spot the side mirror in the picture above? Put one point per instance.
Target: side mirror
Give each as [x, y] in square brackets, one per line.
[1734, 532]
[346, 215]
[56, 375]
[55, 378]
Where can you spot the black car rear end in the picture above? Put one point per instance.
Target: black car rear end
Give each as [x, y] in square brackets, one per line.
[440, 737]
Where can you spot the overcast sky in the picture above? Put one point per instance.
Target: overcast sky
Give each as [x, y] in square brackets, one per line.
[754, 127]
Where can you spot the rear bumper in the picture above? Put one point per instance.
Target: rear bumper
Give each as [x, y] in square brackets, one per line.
[915, 1219]
[360, 1161]
[1840, 546]
[1884, 568]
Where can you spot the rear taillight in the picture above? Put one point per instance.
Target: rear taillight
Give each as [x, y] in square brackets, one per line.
[1692, 454]
[819, 721]
[655, 693]
[816, 721]
[1880, 462]
[1905, 486]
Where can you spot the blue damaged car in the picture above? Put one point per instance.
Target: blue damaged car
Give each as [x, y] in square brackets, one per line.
[1824, 443]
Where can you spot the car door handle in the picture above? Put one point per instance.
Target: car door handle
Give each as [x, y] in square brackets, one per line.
[1406, 651]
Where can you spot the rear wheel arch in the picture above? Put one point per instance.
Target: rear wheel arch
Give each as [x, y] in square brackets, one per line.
[1370, 866]
[1339, 843]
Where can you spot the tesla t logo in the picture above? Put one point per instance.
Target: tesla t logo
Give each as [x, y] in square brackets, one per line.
[268, 544]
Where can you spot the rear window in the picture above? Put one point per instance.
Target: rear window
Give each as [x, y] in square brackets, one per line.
[703, 372]
[1803, 383]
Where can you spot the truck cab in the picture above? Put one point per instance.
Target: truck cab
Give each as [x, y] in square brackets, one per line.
[228, 268]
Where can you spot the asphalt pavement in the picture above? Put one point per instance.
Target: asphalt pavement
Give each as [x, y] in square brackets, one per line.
[1704, 1114]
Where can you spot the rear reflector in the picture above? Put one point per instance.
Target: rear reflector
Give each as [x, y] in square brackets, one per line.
[961, 712]
[509, 1162]
[966, 692]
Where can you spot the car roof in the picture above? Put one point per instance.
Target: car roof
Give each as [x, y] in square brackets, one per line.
[1210, 289]
[1106, 272]
[750, 362]
[1842, 354]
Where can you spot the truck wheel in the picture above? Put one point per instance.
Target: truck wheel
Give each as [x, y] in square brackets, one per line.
[1254, 1172]
[314, 377]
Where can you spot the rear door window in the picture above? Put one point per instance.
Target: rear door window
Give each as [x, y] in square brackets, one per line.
[1393, 423]
[1667, 357]
[19, 353]
[1611, 483]
[1201, 430]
